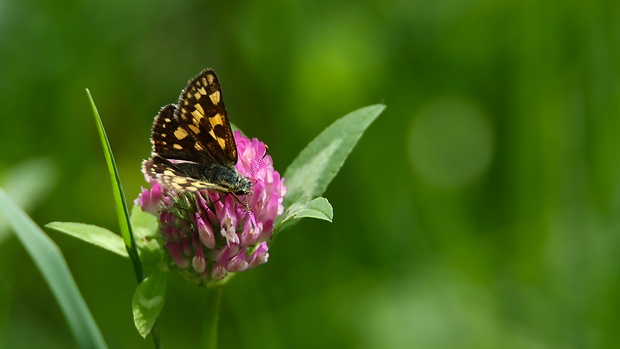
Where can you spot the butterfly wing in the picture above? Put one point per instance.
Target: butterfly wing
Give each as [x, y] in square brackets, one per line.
[201, 116]
[170, 176]
[193, 144]
[169, 140]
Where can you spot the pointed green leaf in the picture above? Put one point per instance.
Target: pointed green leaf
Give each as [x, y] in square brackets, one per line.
[50, 261]
[319, 208]
[148, 301]
[314, 168]
[119, 195]
[93, 234]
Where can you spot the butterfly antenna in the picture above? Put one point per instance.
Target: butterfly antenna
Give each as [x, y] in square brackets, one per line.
[250, 213]
[260, 160]
[247, 209]
[247, 204]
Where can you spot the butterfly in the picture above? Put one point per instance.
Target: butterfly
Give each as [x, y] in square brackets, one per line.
[193, 147]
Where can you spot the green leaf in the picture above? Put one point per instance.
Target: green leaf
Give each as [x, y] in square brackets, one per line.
[50, 261]
[314, 168]
[235, 128]
[310, 173]
[93, 234]
[319, 208]
[146, 229]
[144, 223]
[148, 301]
[119, 196]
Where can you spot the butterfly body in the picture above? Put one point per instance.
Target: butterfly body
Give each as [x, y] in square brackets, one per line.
[193, 145]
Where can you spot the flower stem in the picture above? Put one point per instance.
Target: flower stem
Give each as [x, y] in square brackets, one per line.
[212, 317]
[155, 335]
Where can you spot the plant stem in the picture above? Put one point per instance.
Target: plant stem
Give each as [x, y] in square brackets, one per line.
[155, 335]
[212, 317]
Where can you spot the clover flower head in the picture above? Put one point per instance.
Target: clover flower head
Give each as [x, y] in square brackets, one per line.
[210, 234]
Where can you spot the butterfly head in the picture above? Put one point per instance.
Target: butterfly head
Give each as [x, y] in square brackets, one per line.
[242, 186]
[226, 180]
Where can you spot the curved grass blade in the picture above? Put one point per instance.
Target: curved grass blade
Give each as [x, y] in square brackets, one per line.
[119, 196]
[51, 263]
[27, 183]
[122, 211]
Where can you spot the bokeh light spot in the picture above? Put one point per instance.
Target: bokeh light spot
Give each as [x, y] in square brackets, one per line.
[450, 143]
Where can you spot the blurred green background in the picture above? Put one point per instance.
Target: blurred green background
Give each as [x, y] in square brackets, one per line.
[481, 210]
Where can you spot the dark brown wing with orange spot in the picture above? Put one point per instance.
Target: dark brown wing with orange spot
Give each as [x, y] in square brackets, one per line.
[193, 144]
[201, 114]
[167, 142]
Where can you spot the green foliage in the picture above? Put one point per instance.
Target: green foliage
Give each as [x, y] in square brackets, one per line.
[145, 227]
[148, 301]
[92, 234]
[150, 293]
[314, 168]
[53, 267]
[28, 184]
[317, 164]
[324, 155]
[122, 213]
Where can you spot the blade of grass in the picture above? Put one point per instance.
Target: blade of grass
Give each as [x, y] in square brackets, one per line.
[124, 220]
[27, 183]
[51, 263]
[119, 196]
